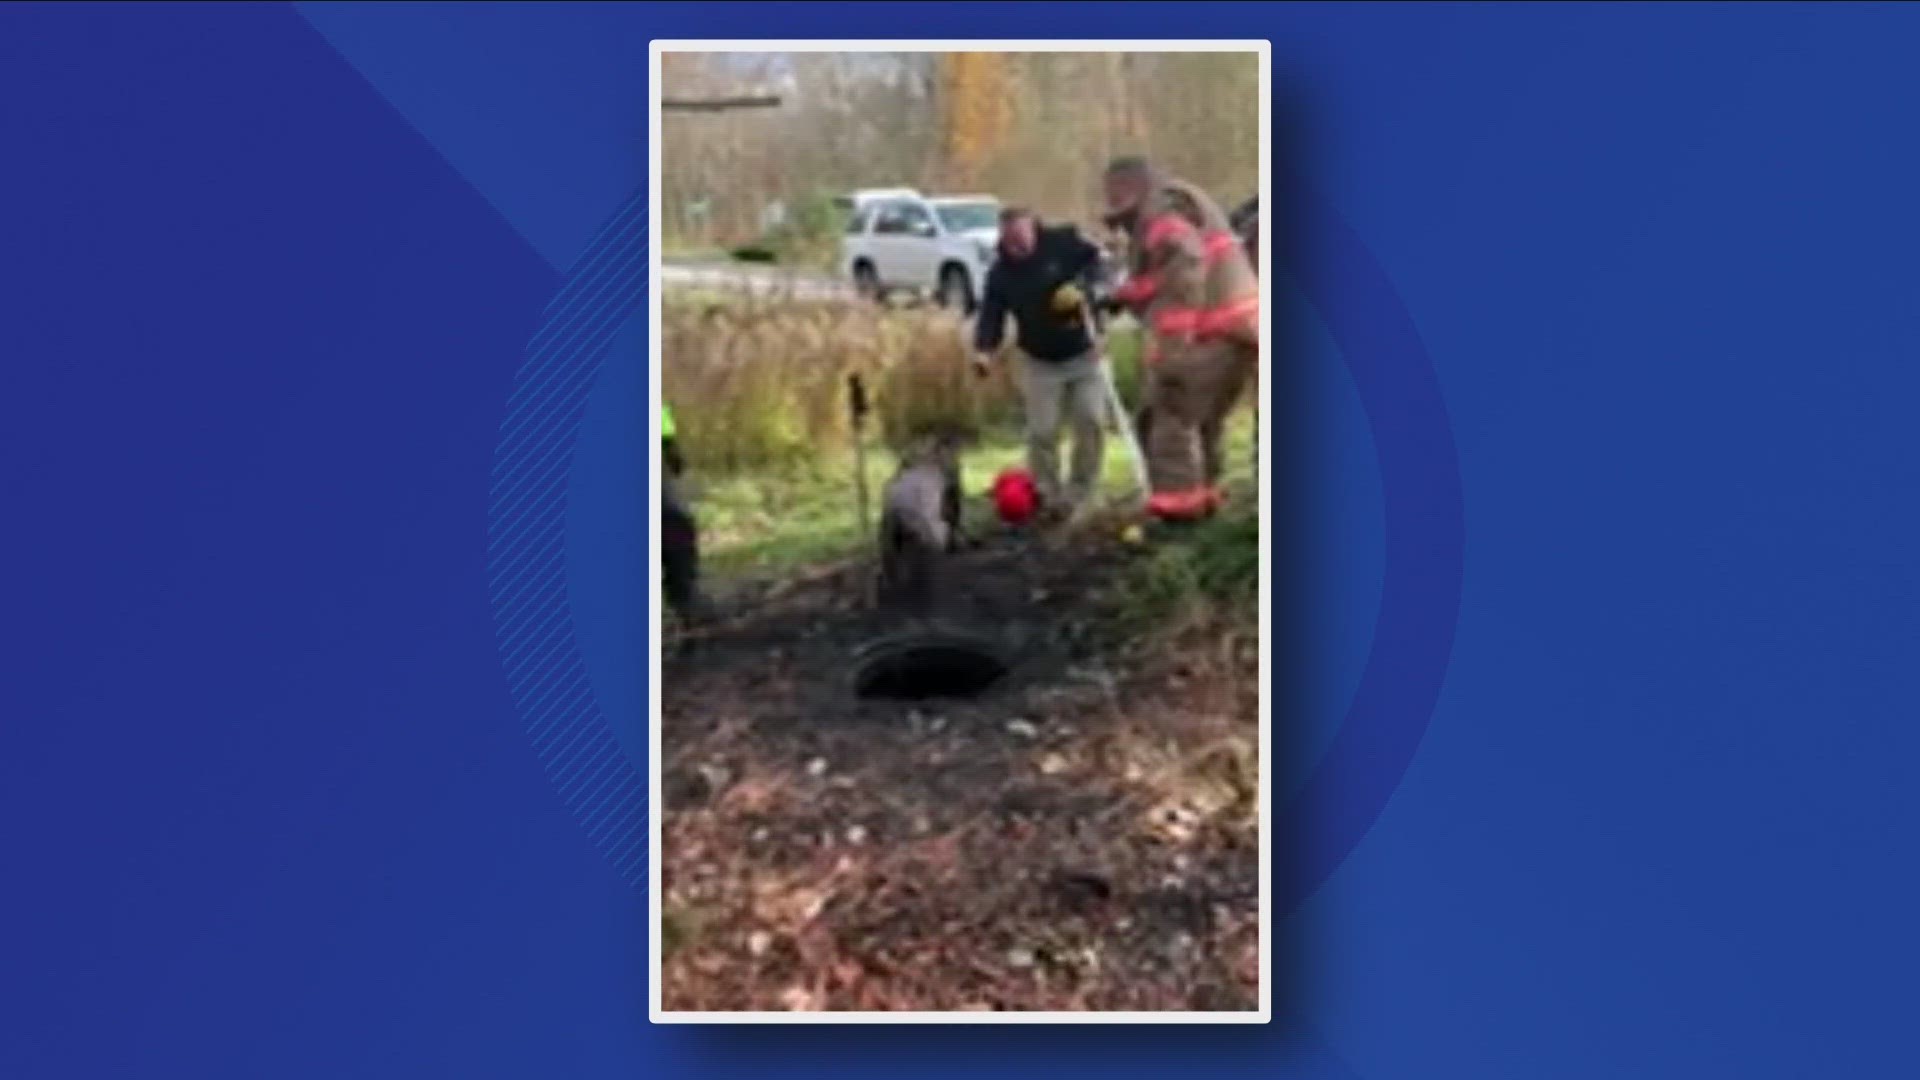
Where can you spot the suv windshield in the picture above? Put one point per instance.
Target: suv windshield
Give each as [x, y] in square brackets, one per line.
[967, 216]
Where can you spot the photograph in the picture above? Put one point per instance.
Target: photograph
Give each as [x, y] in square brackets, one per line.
[561, 541]
[959, 684]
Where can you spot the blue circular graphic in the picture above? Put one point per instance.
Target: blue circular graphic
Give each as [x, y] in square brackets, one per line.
[1425, 551]
[527, 542]
[1341, 799]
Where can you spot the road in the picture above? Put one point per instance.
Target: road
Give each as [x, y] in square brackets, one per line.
[810, 284]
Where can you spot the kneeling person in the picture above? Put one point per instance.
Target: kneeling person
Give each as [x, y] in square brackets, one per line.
[920, 521]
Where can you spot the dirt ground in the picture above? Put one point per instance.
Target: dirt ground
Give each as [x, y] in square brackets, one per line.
[1081, 836]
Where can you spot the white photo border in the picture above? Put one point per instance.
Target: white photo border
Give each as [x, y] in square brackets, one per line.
[657, 1014]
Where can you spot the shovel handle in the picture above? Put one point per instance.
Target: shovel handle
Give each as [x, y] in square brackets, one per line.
[857, 395]
[857, 404]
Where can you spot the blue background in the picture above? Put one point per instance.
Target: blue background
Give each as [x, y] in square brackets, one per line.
[267, 274]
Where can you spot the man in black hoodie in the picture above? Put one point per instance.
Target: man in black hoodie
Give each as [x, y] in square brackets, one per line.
[1041, 279]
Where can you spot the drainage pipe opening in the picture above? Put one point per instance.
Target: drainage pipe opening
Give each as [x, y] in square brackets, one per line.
[926, 667]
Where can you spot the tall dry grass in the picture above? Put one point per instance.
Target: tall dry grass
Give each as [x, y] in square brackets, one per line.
[758, 384]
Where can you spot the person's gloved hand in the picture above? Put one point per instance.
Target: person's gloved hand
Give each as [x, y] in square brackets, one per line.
[1068, 299]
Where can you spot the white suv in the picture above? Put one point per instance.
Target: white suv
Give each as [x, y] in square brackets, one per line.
[901, 241]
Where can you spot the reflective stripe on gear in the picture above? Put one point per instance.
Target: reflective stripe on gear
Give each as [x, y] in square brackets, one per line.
[1235, 318]
[666, 422]
[1239, 317]
[1191, 504]
[1219, 245]
[1177, 322]
[1167, 228]
[1137, 290]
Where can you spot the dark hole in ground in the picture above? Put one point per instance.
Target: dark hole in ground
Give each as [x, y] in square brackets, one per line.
[933, 668]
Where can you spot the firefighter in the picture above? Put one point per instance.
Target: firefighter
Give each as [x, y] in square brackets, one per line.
[679, 537]
[1197, 297]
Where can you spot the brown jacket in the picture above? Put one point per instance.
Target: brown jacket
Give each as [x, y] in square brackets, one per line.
[1190, 279]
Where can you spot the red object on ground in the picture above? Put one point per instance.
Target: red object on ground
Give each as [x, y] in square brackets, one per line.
[1190, 505]
[1015, 497]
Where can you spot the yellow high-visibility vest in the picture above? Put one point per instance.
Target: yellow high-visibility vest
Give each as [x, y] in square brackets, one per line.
[666, 422]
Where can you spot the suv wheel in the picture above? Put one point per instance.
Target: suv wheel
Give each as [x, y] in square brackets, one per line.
[956, 289]
[866, 281]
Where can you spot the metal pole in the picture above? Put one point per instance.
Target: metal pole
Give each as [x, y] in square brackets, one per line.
[718, 104]
[1121, 418]
[857, 407]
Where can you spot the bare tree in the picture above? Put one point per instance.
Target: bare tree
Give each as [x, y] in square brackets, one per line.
[1030, 127]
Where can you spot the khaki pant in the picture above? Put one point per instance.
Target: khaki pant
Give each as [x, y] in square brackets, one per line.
[1064, 393]
[1189, 391]
[1212, 440]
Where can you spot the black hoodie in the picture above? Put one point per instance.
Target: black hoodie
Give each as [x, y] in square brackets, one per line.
[1024, 288]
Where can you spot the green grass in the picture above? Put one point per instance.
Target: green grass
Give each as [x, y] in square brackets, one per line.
[1213, 566]
[758, 524]
[759, 387]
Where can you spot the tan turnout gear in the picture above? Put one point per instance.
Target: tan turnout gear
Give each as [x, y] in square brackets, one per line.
[1198, 297]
